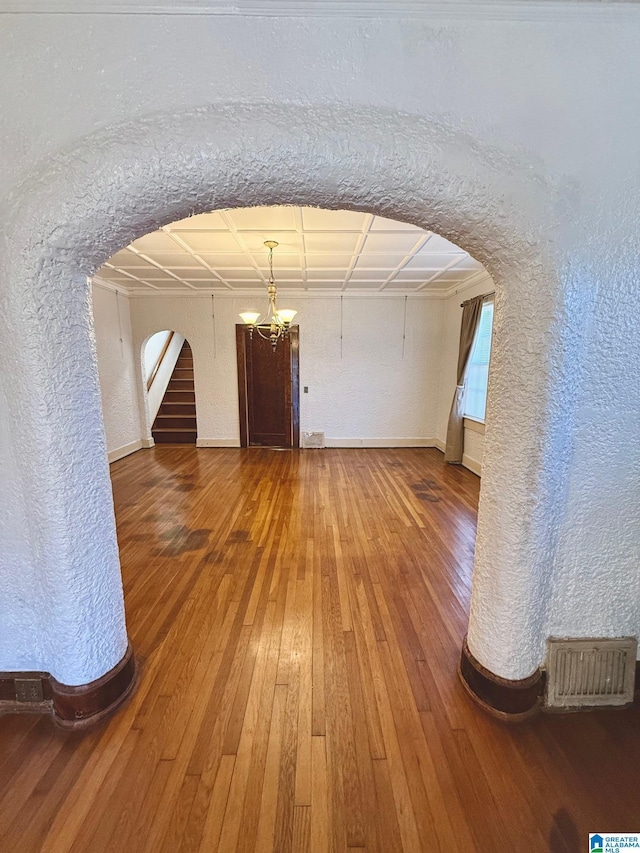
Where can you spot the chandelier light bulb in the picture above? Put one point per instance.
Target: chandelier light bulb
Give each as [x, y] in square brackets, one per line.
[286, 315]
[250, 317]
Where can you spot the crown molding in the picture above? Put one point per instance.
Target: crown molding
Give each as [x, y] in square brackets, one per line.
[171, 293]
[468, 10]
[109, 285]
[472, 281]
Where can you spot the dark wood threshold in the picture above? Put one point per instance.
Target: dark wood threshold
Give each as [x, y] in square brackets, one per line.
[71, 706]
[508, 700]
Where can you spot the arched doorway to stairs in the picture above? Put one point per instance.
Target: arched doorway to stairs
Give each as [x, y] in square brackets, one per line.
[168, 388]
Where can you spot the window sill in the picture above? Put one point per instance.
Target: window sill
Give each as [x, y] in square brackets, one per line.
[474, 425]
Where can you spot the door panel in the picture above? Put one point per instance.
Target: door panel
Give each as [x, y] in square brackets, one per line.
[268, 390]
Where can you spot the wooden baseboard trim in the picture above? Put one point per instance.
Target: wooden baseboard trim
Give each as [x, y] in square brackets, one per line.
[503, 698]
[71, 706]
[81, 706]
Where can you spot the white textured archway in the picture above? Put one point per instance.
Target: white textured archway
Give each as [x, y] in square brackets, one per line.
[112, 188]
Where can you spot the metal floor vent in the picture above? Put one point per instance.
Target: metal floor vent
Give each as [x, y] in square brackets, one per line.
[312, 440]
[590, 673]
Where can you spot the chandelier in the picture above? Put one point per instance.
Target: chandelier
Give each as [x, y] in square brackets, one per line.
[274, 324]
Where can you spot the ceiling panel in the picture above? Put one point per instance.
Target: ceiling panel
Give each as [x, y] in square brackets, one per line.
[128, 260]
[270, 218]
[114, 275]
[399, 242]
[402, 285]
[432, 262]
[288, 241]
[331, 242]
[180, 259]
[414, 275]
[377, 276]
[225, 260]
[245, 273]
[202, 222]
[317, 219]
[319, 249]
[158, 241]
[320, 275]
[382, 224]
[280, 261]
[454, 275]
[152, 272]
[330, 284]
[381, 262]
[469, 263]
[199, 274]
[210, 241]
[435, 243]
[318, 261]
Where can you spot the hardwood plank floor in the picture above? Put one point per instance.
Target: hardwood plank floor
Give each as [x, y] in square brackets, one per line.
[297, 618]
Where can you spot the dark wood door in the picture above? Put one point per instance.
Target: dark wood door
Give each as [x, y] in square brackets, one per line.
[268, 388]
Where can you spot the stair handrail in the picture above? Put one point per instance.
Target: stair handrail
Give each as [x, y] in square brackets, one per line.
[159, 361]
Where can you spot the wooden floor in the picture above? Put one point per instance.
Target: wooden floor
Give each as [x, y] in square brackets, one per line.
[298, 617]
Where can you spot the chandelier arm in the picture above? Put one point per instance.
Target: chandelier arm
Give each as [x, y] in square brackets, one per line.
[268, 337]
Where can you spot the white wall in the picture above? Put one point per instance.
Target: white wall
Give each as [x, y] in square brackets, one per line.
[450, 341]
[118, 371]
[364, 390]
[514, 133]
[161, 380]
[152, 350]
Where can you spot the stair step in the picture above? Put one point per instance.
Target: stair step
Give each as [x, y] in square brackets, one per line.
[177, 385]
[169, 408]
[175, 422]
[174, 396]
[174, 436]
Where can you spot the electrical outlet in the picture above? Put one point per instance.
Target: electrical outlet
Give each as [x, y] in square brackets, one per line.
[29, 690]
[305, 390]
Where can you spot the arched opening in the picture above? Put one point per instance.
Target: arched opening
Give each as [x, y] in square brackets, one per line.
[379, 303]
[168, 388]
[435, 180]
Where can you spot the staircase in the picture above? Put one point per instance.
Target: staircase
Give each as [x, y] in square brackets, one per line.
[176, 419]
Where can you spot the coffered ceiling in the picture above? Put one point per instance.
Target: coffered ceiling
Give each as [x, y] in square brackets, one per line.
[319, 250]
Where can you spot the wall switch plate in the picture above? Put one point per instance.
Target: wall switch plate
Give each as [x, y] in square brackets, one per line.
[29, 690]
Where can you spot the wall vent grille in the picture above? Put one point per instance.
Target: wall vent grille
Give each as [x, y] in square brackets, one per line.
[312, 440]
[590, 673]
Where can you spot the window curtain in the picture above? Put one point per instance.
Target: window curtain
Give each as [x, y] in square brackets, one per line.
[471, 310]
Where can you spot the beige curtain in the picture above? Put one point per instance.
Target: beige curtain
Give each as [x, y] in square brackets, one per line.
[454, 449]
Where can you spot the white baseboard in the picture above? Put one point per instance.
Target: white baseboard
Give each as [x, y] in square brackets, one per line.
[125, 450]
[148, 442]
[441, 445]
[217, 442]
[380, 442]
[472, 464]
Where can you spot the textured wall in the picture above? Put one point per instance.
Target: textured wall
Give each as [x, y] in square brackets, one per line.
[117, 368]
[517, 140]
[360, 389]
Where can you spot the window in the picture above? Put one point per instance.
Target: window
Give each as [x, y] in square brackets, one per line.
[475, 396]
